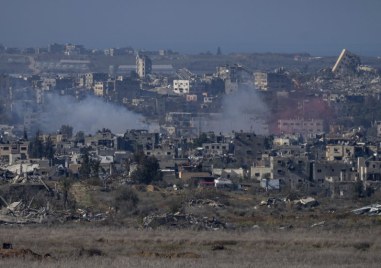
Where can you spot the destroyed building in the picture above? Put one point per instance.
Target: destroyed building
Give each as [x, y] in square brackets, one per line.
[249, 147]
[143, 65]
[134, 140]
[11, 152]
[347, 63]
[272, 81]
[307, 127]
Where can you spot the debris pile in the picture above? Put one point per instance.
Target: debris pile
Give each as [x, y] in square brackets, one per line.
[19, 213]
[178, 220]
[318, 224]
[307, 202]
[205, 202]
[21, 173]
[372, 210]
[271, 201]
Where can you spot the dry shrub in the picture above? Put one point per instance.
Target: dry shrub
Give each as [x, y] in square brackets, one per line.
[126, 201]
[363, 246]
[91, 252]
[174, 204]
[212, 194]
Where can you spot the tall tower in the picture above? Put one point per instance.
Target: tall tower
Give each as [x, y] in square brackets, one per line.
[143, 65]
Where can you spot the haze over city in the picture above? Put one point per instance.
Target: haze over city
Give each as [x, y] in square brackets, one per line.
[317, 27]
[190, 133]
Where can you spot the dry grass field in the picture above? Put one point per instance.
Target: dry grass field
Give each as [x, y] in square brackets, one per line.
[88, 245]
[274, 235]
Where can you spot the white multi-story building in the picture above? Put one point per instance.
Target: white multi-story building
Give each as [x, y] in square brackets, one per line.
[99, 89]
[181, 86]
[143, 65]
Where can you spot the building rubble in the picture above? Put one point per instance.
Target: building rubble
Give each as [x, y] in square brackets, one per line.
[20, 213]
[205, 202]
[371, 210]
[306, 202]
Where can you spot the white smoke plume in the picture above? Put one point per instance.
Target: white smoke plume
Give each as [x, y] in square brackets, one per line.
[242, 110]
[88, 115]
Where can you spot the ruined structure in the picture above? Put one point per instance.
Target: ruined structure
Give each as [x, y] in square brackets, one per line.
[346, 63]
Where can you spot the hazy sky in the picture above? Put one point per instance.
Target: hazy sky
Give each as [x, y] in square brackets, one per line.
[321, 27]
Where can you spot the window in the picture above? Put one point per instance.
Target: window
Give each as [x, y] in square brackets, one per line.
[257, 174]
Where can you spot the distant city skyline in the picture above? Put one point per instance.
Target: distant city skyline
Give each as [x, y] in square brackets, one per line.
[320, 28]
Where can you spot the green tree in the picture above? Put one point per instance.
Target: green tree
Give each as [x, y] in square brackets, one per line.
[95, 167]
[359, 189]
[80, 137]
[36, 147]
[89, 167]
[48, 149]
[25, 135]
[66, 184]
[85, 169]
[202, 138]
[148, 169]
[67, 130]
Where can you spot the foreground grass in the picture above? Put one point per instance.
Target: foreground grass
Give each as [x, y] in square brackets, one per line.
[99, 246]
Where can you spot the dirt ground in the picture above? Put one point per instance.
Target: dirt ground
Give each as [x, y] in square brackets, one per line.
[89, 245]
[260, 230]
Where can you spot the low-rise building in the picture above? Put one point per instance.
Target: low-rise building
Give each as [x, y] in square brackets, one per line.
[339, 152]
[181, 87]
[271, 81]
[309, 127]
[99, 89]
[213, 149]
[10, 153]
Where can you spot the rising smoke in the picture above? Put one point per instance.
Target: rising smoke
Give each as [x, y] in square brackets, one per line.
[242, 110]
[88, 115]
